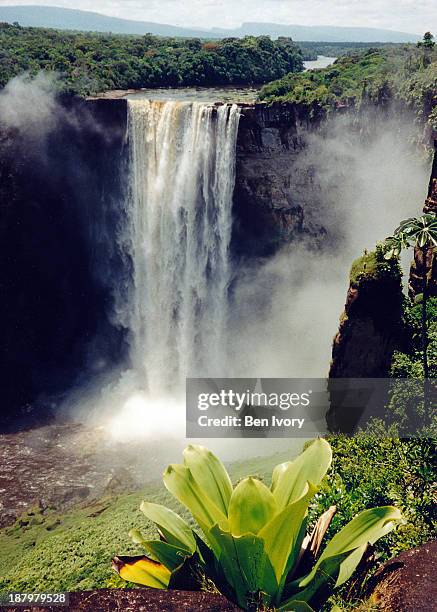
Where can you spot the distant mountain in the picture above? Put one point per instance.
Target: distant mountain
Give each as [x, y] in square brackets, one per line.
[320, 33]
[71, 19]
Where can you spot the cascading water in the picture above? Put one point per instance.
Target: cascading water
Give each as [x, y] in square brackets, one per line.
[182, 173]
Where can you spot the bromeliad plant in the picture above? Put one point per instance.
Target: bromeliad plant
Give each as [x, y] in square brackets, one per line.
[255, 548]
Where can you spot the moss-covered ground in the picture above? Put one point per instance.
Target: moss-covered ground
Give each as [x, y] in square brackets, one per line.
[73, 551]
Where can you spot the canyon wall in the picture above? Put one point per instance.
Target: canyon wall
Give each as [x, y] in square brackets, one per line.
[60, 192]
[275, 184]
[371, 326]
[62, 195]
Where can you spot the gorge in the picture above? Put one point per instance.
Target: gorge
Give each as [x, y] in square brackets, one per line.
[307, 191]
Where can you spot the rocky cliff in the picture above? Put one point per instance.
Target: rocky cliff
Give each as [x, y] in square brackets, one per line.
[60, 191]
[274, 185]
[62, 195]
[371, 324]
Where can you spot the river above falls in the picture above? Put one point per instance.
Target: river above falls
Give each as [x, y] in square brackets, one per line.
[322, 61]
[212, 95]
[198, 94]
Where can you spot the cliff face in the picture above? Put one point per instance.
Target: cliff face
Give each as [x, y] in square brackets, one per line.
[62, 204]
[59, 195]
[272, 189]
[62, 193]
[371, 325]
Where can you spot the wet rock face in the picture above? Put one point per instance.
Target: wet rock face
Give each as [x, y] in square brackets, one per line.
[371, 325]
[273, 182]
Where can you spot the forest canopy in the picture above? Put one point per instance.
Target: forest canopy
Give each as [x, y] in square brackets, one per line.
[89, 63]
[377, 75]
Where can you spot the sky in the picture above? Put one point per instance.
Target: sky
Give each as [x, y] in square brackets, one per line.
[414, 16]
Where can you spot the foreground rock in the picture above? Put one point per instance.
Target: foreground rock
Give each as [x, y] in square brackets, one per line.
[407, 582]
[152, 600]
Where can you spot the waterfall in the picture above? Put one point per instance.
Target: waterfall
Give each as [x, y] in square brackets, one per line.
[182, 174]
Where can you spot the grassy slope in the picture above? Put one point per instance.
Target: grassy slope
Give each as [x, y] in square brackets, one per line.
[74, 551]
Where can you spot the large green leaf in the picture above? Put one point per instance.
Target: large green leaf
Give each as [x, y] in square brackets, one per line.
[252, 505]
[282, 533]
[170, 556]
[309, 466]
[245, 565]
[277, 473]
[210, 474]
[180, 482]
[174, 529]
[142, 570]
[366, 528]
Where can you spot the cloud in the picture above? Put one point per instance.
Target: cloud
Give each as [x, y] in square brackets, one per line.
[414, 16]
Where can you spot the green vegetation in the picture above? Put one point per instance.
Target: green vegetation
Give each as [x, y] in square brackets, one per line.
[373, 265]
[427, 42]
[375, 469]
[89, 63]
[405, 73]
[311, 50]
[255, 549]
[409, 364]
[73, 551]
[421, 234]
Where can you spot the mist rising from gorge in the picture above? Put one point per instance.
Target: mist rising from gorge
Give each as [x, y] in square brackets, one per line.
[371, 176]
[283, 310]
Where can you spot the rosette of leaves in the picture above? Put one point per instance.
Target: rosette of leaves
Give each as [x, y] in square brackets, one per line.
[255, 547]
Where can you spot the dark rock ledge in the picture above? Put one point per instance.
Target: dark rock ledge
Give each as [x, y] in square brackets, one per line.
[139, 600]
[406, 583]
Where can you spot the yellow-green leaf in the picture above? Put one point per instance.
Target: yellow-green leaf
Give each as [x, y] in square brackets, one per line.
[366, 528]
[309, 466]
[170, 556]
[277, 473]
[142, 570]
[252, 505]
[174, 529]
[180, 482]
[245, 565]
[281, 535]
[210, 474]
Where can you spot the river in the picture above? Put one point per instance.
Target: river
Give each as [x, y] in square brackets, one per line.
[321, 62]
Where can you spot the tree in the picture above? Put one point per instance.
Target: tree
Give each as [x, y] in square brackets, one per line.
[427, 42]
[420, 233]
